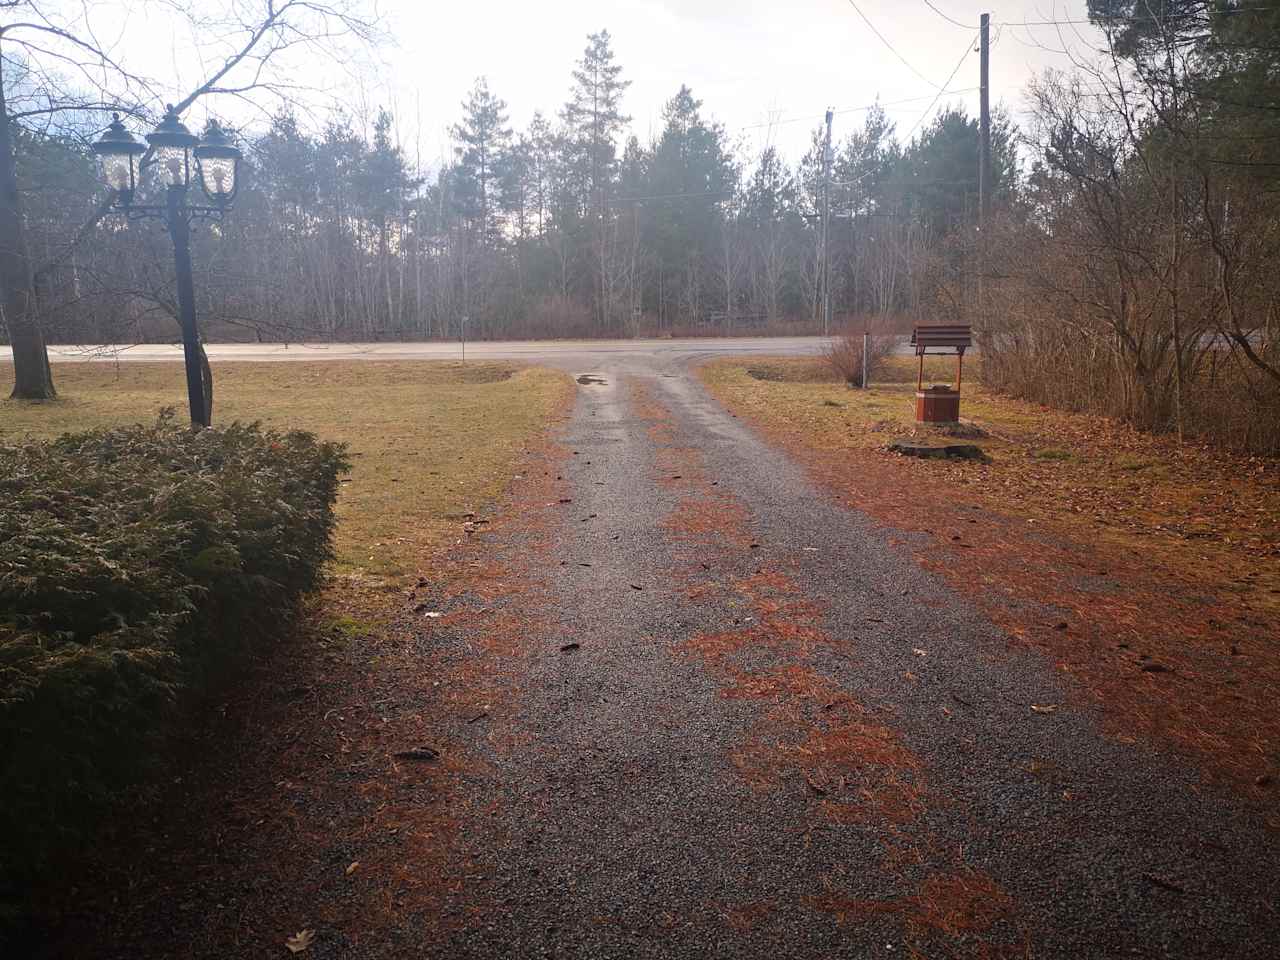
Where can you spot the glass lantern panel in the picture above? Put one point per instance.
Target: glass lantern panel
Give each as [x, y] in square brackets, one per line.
[171, 166]
[219, 174]
[115, 171]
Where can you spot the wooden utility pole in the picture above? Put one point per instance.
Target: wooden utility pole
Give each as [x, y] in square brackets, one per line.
[826, 229]
[984, 119]
[984, 155]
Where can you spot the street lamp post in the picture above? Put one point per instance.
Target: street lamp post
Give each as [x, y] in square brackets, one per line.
[174, 152]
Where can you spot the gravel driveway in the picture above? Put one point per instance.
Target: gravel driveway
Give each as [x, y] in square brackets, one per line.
[779, 737]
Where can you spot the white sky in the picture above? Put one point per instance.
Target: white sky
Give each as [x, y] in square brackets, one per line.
[753, 63]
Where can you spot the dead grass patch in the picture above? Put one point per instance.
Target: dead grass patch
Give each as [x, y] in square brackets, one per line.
[430, 441]
[961, 905]
[1147, 572]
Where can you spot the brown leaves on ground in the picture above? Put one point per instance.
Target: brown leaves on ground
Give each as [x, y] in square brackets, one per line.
[965, 903]
[1149, 573]
[852, 764]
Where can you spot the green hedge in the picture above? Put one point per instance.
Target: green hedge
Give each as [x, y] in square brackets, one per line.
[136, 564]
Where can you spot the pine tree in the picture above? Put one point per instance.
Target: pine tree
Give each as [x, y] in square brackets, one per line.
[593, 120]
[484, 140]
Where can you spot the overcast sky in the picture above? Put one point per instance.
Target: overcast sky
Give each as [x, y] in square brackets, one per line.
[766, 69]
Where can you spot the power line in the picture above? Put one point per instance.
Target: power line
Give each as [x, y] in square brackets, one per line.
[675, 196]
[968, 49]
[951, 20]
[892, 50]
[859, 109]
[1103, 21]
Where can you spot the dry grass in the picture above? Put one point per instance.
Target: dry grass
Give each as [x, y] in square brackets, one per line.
[430, 441]
[1145, 570]
[1214, 515]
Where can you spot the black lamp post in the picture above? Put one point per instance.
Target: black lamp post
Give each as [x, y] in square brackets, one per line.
[174, 153]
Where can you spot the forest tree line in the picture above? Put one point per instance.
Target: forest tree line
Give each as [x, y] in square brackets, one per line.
[568, 227]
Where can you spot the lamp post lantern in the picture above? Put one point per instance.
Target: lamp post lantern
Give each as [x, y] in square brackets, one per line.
[175, 153]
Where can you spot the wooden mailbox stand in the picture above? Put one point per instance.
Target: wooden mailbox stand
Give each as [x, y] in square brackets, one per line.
[940, 404]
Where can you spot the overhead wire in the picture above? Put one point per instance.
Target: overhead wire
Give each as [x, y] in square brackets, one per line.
[968, 49]
[1139, 19]
[906, 63]
[951, 20]
[843, 110]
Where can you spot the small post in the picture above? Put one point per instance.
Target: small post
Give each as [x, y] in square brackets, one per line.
[920, 375]
[866, 336]
[180, 233]
[959, 366]
[464, 338]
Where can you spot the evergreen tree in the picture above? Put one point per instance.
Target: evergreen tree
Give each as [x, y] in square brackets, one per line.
[484, 141]
[593, 120]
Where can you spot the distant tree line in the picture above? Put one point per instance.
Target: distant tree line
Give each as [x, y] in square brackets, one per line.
[566, 228]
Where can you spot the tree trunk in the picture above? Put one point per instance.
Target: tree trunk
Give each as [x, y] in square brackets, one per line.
[32, 378]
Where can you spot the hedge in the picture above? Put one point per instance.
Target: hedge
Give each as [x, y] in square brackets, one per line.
[136, 565]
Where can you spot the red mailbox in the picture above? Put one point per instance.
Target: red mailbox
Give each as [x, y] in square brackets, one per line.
[939, 403]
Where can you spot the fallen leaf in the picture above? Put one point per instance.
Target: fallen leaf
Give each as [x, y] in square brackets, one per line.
[433, 614]
[352, 867]
[1164, 883]
[1045, 707]
[570, 646]
[918, 652]
[300, 941]
[422, 754]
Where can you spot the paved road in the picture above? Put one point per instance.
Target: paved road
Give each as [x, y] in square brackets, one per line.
[569, 352]
[777, 737]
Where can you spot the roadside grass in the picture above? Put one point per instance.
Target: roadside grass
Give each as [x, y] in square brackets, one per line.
[1214, 515]
[430, 441]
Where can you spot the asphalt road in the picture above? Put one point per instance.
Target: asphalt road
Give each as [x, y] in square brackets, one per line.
[567, 352]
[688, 705]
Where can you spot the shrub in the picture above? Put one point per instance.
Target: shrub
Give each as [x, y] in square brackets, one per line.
[844, 353]
[138, 563]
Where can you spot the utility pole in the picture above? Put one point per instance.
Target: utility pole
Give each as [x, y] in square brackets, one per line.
[984, 119]
[826, 230]
[984, 154]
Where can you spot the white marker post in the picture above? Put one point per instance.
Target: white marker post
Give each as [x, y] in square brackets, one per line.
[866, 337]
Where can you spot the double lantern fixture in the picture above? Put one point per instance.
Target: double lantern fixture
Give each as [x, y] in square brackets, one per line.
[175, 154]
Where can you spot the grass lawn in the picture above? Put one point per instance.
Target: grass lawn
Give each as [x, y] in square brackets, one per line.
[430, 441]
[1214, 514]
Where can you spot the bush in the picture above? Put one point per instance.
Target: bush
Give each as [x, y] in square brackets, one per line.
[844, 354]
[138, 563]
